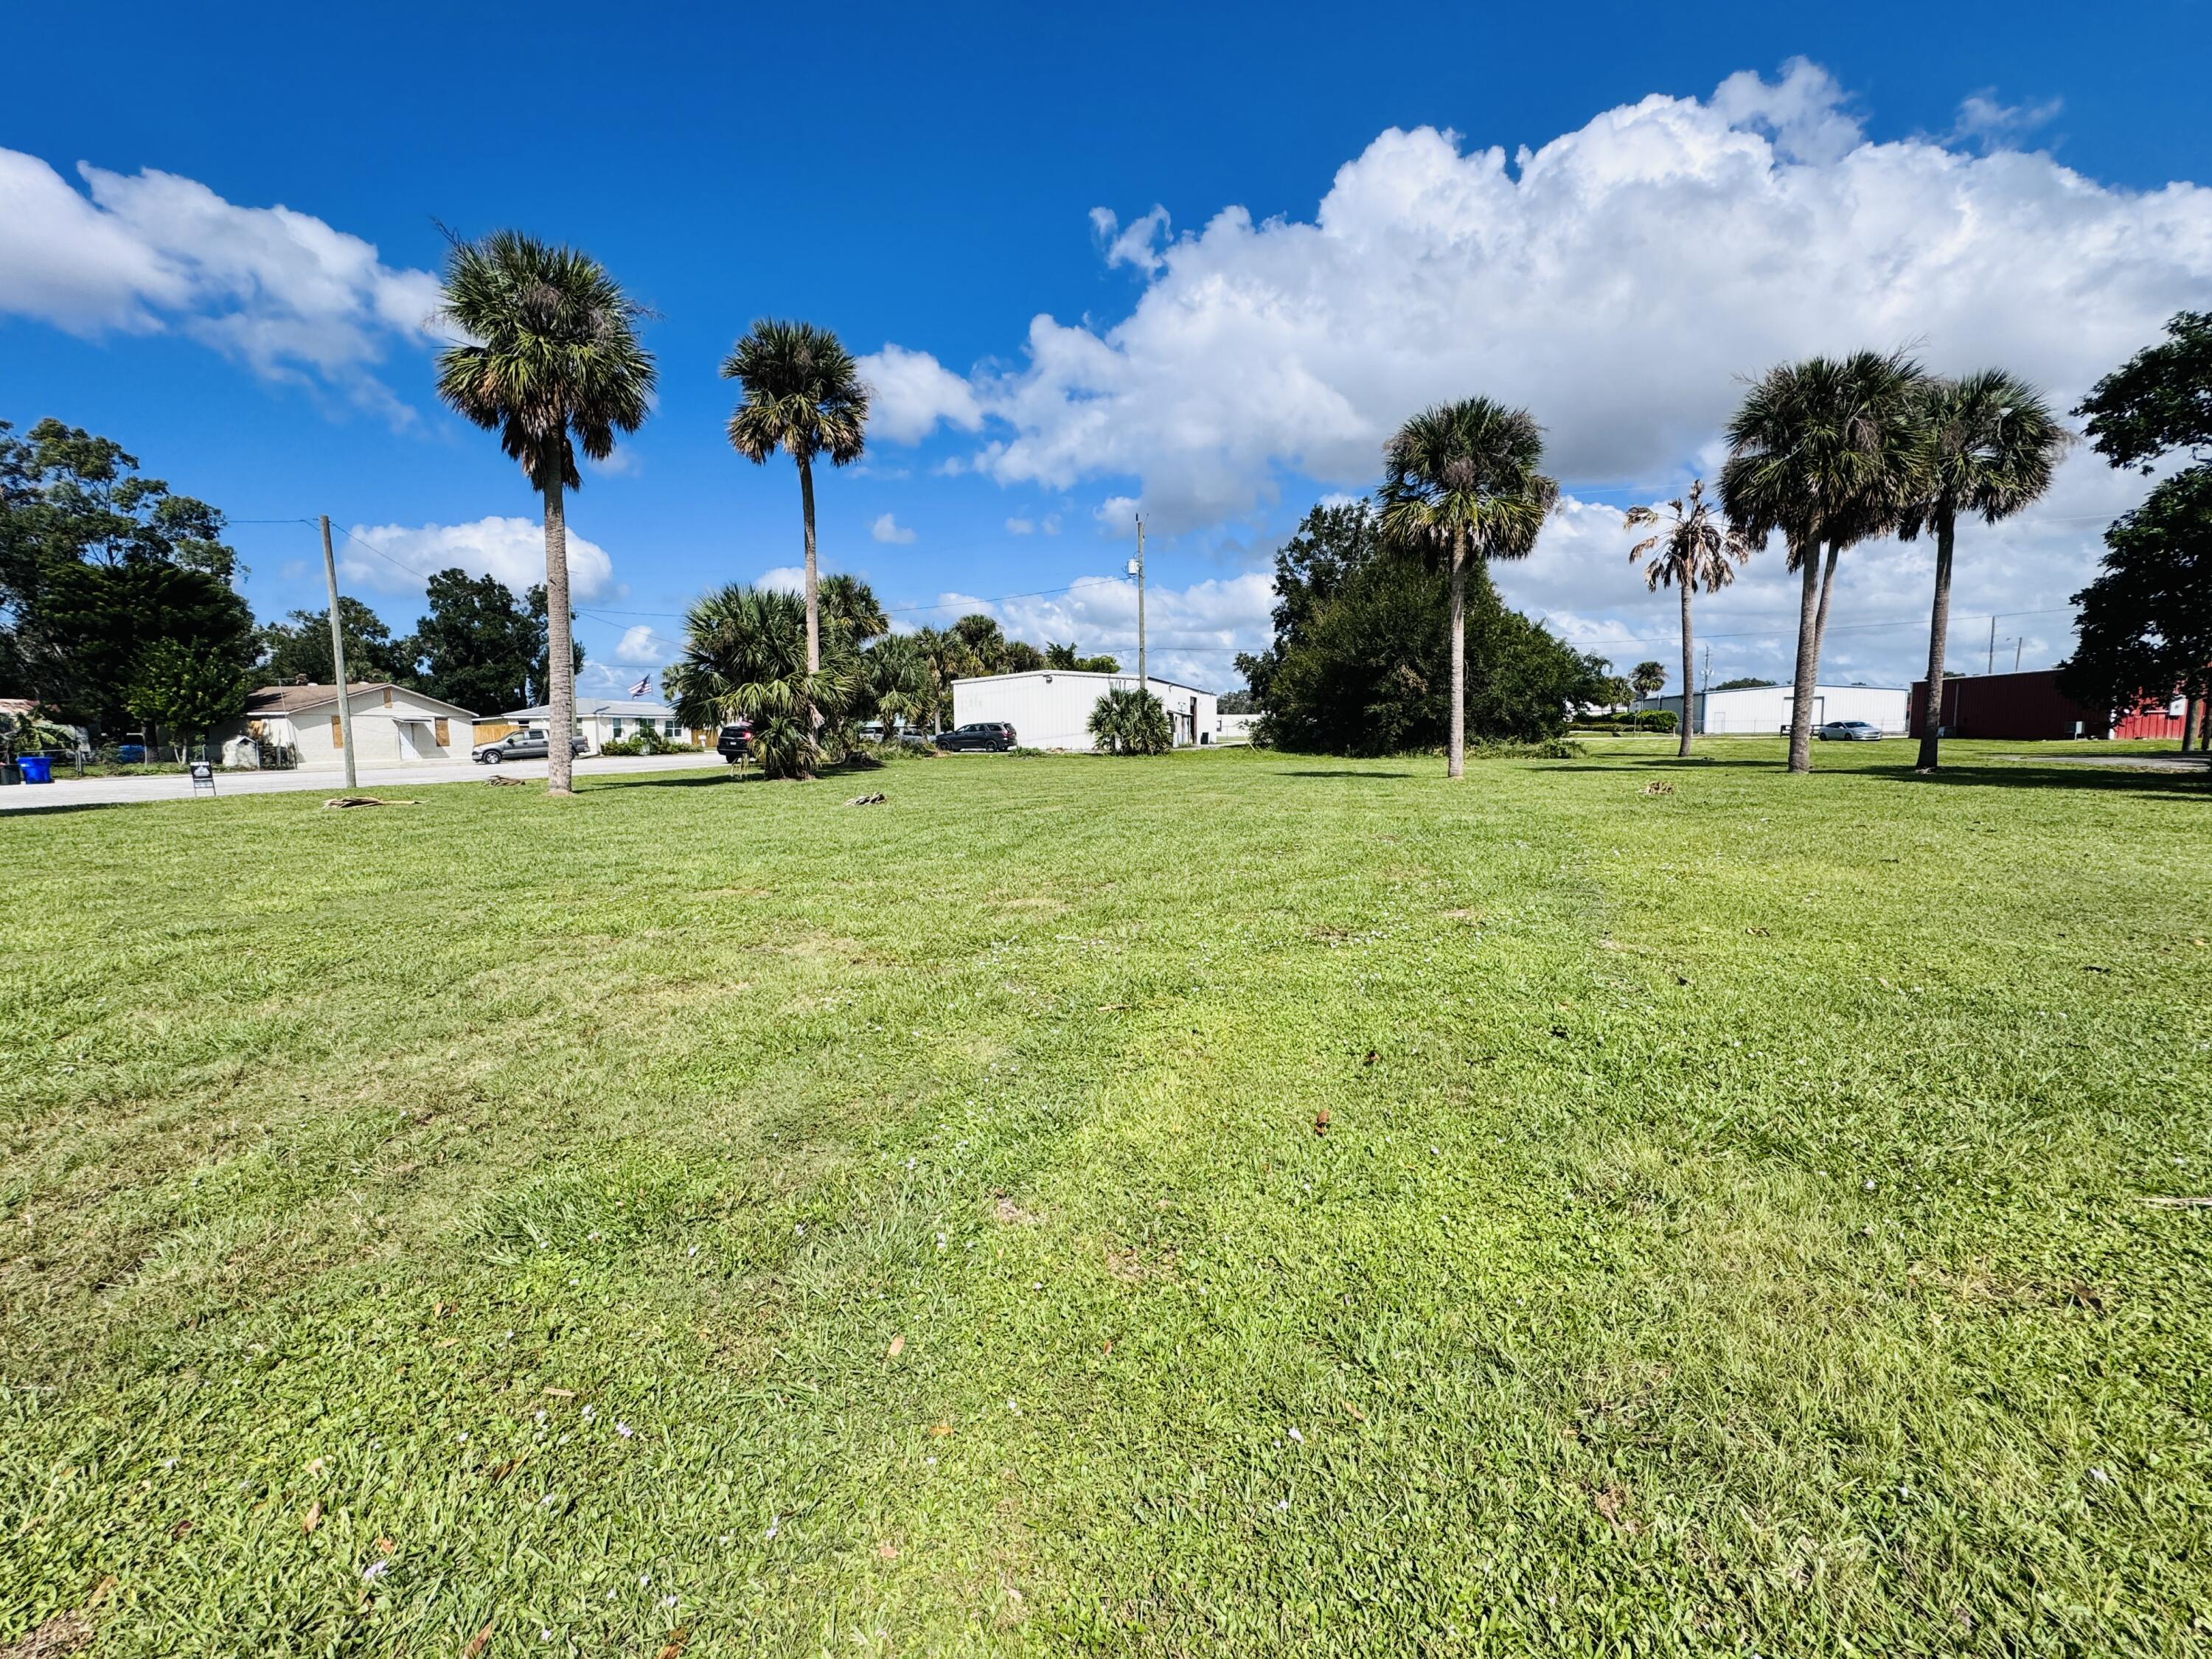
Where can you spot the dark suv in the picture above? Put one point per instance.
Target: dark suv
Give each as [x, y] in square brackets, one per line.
[979, 734]
[735, 742]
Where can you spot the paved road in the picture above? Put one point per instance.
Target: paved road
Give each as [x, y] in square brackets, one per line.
[373, 781]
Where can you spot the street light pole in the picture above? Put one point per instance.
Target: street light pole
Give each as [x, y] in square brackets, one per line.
[337, 657]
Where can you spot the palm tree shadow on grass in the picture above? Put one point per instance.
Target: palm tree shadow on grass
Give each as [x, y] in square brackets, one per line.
[1955, 774]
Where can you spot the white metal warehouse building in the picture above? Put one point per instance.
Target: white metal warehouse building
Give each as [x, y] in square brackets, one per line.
[1765, 709]
[1050, 707]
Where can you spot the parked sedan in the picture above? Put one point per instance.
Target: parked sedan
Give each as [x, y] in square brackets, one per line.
[1849, 731]
[523, 745]
[979, 734]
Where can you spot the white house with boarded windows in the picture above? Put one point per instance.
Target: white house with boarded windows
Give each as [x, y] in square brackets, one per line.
[392, 724]
[600, 722]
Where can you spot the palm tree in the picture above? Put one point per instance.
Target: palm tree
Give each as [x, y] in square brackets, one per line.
[1130, 721]
[803, 395]
[745, 656]
[1823, 451]
[1459, 483]
[553, 364]
[1989, 445]
[850, 606]
[1697, 550]
[1648, 678]
[898, 682]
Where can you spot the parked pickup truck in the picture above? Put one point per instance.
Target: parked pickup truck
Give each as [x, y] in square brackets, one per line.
[523, 745]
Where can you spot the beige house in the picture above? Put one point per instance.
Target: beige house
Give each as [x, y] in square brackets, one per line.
[392, 724]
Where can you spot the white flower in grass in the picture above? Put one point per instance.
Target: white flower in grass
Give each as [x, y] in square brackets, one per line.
[545, 1635]
[774, 1521]
[624, 1431]
[643, 1579]
[1296, 1436]
[374, 1570]
[590, 1411]
[1282, 1503]
[667, 1601]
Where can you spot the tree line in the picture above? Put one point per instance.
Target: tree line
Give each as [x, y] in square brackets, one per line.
[1823, 454]
[120, 608]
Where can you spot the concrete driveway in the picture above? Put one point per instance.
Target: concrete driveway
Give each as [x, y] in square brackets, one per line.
[324, 781]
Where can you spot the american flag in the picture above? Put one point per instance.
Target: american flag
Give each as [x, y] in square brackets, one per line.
[641, 687]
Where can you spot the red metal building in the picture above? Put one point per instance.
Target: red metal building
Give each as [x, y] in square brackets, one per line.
[2030, 705]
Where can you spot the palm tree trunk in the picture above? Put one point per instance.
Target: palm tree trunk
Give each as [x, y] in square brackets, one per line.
[1939, 625]
[1456, 762]
[1827, 593]
[560, 648]
[813, 597]
[1682, 750]
[1809, 664]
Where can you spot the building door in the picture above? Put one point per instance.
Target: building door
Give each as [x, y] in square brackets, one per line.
[408, 750]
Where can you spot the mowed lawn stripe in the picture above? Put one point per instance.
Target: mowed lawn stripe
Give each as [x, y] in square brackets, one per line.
[918, 1225]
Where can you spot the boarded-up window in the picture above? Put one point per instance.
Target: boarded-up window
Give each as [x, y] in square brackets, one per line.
[337, 733]
[445, 732]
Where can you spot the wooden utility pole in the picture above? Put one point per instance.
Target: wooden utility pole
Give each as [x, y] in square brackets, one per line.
[1137, 569]
[338, 658]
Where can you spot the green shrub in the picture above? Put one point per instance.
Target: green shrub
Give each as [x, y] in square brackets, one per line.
[1130, 722]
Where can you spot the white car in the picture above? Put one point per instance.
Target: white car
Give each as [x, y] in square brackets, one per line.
[1849, 731]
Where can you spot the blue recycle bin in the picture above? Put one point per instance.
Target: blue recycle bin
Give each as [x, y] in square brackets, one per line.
[37, 769]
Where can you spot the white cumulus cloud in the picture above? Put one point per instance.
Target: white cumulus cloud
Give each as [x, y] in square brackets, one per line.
[279, 290]
[888, 529]
[910, 392]
[641, 647]
[1618, 280]
[399, 557]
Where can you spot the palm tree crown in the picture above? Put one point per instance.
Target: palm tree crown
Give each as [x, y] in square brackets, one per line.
[803, 394]
[1697, 549]
[552, 362]
[1823, 451]
[1988, 444]
[1462, 478]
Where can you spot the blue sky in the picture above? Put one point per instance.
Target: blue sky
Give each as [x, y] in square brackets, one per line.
[1984, 183]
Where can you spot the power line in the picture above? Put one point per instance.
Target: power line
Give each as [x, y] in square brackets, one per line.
[1784, 623]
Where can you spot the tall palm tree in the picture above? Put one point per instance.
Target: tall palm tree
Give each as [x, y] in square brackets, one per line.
[553, 364]
[1989, 445]
[744, 657]
[1696, 549]
[1823, 451]
[803, 395]
[1459, 483]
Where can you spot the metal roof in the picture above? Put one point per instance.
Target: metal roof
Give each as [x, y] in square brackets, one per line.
[294, 699]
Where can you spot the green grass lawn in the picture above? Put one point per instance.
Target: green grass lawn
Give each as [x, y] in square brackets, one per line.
[704, 1217]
